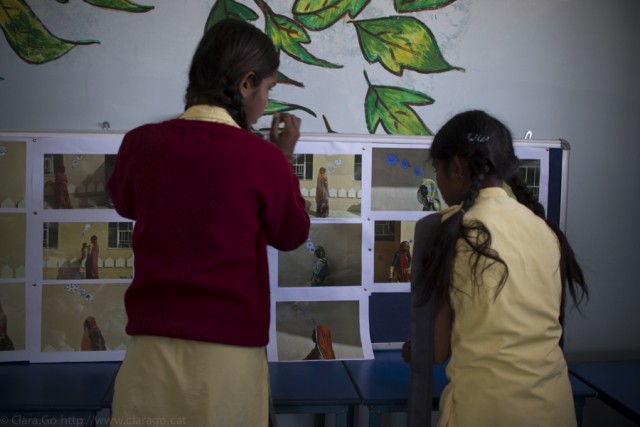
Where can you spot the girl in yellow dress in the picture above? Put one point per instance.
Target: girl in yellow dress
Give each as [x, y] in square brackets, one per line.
[496, 272]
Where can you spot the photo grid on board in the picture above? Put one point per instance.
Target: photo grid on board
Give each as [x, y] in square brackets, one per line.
[67, 258]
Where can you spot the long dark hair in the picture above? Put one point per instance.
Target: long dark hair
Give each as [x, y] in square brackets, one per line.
[487, 145]
[227, 52]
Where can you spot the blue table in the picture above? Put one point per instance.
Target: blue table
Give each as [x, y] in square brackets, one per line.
[314, 387]
[617, 384]
[581, 391]
[73, 393]
[54, 393]
[383, 385]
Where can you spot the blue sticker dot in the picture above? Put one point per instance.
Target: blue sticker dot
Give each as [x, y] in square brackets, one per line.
[417, 171]
[405, 164]
[392, 159]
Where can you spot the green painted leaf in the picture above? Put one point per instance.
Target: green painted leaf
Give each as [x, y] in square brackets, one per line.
[400, 43]
[28, 37]
[124, 5]
[229, 9]
[282, 107]
[287, 35]
[414, 5]
[389, 107]
[320, 14]
[282, 79]
[327, 125]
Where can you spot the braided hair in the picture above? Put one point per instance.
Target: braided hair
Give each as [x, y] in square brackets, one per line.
[487, 145]
[570, 271]
[226, 53]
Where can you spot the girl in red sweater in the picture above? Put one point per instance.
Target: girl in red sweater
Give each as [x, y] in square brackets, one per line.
[199, 307]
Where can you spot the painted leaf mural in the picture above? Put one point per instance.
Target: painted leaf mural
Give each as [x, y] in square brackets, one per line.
[389, 107]
[123, 5]
[414, 5]
[327, 125]
[397, 43]
[282, 79]
[282, 107]
[400, 43]
[222, 9]
[287, 35]
[320, 14]
[33, 42]
[28, 37]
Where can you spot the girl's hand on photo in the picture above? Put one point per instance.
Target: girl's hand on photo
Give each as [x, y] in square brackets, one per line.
[286, 136]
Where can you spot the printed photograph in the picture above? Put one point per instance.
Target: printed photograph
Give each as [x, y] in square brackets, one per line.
[12, 317]
[87, 250]
[318, 330]
[332, 256]
[13, 160]
[77, 181]
[392, 251]
[402, 179]
[330, 184]
[530, 170]
[13, 229]
[83, 317]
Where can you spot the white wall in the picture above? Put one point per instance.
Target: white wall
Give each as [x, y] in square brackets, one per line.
[560, 68]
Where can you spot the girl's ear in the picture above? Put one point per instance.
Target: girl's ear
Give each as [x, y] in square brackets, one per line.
[246, 83]
[458, 167]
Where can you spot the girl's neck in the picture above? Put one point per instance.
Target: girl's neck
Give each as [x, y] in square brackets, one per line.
[491, 181]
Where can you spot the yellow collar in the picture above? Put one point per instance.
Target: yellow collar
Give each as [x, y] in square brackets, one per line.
[484, 193]
[209, 113]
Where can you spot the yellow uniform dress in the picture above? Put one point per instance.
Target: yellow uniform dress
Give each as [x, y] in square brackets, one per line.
[169, 381]
[507, 368]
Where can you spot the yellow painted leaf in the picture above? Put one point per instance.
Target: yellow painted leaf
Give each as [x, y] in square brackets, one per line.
[222, 9]
[320, 14]
[290, 37]
[28, 37]
[400, 43]
[388, 106]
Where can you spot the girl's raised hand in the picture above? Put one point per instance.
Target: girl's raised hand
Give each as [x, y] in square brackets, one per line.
[287, 136]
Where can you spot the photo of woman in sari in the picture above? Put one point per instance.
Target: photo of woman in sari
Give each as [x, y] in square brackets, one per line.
[322, 194]
[323, 349]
